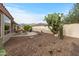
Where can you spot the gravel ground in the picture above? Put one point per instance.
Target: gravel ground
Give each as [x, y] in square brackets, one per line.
[42, 44]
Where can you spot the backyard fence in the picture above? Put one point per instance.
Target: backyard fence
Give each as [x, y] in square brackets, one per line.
[71, 30]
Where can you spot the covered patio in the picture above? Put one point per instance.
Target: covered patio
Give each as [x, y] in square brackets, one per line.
[6, 24]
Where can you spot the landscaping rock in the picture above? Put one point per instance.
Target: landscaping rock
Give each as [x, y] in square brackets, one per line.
[51, 52]
[58, 50]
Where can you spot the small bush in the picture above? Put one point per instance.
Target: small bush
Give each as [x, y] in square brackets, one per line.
[2, 52]
[27, 28]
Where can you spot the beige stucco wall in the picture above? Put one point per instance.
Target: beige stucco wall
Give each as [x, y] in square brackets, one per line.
[71, 30]
[41, 28]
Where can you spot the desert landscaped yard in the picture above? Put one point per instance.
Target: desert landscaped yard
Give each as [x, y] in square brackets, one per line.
[39, 29]
[42, 44]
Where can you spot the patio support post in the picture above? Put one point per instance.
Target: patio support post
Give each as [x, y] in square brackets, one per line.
[12, 27]
[2, 30]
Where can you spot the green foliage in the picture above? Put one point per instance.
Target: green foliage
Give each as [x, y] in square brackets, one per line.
[6, 27]
[27, 28]
[73, 16]
[53, 22]
[2, 52]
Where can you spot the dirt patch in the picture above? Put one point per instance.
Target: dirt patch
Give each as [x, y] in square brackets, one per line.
[41, 45]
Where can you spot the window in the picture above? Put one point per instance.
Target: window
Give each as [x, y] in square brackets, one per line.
[7, 24]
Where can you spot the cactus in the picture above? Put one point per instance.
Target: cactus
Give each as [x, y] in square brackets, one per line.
[61, 32]
[55, 24]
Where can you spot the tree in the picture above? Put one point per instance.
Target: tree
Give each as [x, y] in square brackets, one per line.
[54, 23]
[73, 16]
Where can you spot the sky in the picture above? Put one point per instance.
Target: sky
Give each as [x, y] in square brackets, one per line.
[26, 13]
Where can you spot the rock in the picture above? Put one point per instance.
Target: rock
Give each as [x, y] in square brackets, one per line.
[39, 45]
[51, 52]
[56, 35]
[58, 50]
[54, 42]
[32, 48]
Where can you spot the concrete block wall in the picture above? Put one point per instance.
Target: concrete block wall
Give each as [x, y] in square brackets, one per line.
[71, 30]
[44, 29]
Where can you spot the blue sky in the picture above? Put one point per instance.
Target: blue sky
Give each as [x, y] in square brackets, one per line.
[35, 12]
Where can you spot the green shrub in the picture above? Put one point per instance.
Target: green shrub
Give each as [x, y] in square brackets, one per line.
[2, 52]
[27, 28]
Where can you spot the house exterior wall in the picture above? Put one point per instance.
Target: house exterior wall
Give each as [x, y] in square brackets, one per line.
[4, 16]
[6, 36]
[0, 32]
[2, 27]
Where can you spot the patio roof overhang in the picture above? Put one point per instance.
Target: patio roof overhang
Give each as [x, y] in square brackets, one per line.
[5, 11]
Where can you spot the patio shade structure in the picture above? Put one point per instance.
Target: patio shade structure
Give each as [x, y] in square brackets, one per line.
[6, 24]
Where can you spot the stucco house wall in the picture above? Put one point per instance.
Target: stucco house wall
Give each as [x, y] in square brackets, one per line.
[4, 16]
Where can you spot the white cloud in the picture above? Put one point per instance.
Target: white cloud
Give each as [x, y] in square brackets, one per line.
[24, 16]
